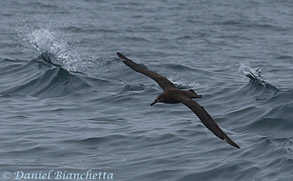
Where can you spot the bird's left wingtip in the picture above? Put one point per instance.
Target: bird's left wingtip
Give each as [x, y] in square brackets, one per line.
[122, 57]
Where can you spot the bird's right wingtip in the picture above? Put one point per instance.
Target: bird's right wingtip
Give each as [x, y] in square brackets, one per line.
[236, 146]
[229, 141]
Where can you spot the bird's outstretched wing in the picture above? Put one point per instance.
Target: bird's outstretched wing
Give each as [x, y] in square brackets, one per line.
[206, 119]
[161, 80]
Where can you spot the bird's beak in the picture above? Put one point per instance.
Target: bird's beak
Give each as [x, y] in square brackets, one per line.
[155, 101]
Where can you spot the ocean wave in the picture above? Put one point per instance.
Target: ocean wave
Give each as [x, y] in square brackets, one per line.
[50, 42]
[41, 78]
[54, 82]
[134, 87]
[271, 116]
[257, 82]
[283, 97]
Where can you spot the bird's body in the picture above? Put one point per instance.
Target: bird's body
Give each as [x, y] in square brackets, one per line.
[173, 95]
[169, 96]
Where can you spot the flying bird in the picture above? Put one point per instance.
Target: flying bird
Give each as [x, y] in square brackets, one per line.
[173, 95]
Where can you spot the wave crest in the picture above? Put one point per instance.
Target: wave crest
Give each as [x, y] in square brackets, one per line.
[45, 40]
[254, 74]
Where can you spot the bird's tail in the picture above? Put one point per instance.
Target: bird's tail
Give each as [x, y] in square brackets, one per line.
[195, 95]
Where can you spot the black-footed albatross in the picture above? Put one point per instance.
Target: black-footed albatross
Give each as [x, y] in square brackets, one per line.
[173, 95]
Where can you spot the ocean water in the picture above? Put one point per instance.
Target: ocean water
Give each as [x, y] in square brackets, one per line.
[69, 106]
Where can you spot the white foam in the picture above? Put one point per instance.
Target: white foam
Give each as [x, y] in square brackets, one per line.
[246, 70]
[47, 40]
[255, 75]
[183, 84]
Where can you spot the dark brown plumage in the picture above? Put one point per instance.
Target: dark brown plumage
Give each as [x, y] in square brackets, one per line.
[173, 95]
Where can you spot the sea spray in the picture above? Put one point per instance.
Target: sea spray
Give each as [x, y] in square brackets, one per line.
[46, 40]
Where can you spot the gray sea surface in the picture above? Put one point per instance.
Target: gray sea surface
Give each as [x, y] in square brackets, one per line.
[69, 106]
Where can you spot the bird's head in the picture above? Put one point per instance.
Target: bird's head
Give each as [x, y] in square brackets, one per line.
[160, 98]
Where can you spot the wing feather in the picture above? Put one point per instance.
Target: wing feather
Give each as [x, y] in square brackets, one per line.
[161, 80]
[206, 119]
